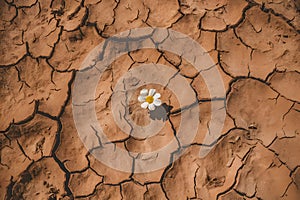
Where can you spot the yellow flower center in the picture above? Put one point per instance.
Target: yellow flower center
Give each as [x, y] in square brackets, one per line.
[149, 99]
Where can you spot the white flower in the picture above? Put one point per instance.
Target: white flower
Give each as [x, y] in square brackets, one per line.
[149, 99]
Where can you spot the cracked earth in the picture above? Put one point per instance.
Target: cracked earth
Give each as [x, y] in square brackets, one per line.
[255, 47]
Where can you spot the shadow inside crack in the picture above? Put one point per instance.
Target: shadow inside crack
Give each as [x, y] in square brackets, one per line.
[161, 112]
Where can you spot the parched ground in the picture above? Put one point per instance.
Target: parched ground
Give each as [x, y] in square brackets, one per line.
[256, 49]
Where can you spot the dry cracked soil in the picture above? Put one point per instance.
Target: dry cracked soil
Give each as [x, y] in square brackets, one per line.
[255, 47]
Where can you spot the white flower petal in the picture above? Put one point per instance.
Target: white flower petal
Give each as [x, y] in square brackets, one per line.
[157, 95]
[141, 98]
[151, 106]
[144, 92]
[157, 102]
[144, 105]
[151, 92]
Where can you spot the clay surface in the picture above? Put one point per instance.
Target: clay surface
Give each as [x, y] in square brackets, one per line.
[254, 46]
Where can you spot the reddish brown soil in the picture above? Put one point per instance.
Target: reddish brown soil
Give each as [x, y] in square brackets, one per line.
[255, 45]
